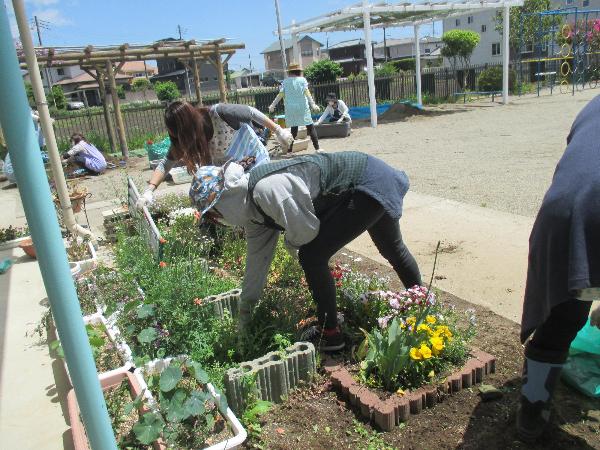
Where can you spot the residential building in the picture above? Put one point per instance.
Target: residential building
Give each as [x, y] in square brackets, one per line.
[429, 47]
[350, 55]
[310, 51]
[138, 69]
[244, 78]
[489, 49]
[84, 87]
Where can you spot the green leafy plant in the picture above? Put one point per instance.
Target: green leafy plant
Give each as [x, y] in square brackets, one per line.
[57, 96]
[121, 92]
[324, 71]
[10, 233]
[491, 80]
[386, 70]
[141, 85]
[166, 91]
[187, 413]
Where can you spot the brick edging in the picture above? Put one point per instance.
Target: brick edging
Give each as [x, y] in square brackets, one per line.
[391, 412]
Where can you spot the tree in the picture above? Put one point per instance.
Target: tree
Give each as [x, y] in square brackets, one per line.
[57, 96]
[141, 85]
[524, 26]
[29, 92]
[167, 91]
[459, 46]
[324, 71]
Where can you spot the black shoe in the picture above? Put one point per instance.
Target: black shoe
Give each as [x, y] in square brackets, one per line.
[532, 420]
[324, 340]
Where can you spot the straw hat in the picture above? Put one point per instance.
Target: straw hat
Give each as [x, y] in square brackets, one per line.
[294, 68]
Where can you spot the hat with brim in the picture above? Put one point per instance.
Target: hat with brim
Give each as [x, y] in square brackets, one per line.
[294, 68]
[208, 184]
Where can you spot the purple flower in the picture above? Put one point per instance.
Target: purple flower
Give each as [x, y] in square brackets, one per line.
[394, 303]
[383, 321]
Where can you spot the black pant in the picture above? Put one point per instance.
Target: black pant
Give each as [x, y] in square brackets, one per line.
[356, 214]
[552, 339]
[310, 129]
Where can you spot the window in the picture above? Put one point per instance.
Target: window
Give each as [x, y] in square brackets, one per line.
[496, 49]
[307, 52]
[586, 3]
[569, 2]
[60, 71]
[470, 19]
[483, 28]
[458, 22]
[427, 50]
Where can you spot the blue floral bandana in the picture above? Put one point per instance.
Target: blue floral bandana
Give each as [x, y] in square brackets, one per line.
[207, 187]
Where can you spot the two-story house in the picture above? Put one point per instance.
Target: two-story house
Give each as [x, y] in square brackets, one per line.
[310, 51]
[138, 69]
[350, 55]
[405, 48]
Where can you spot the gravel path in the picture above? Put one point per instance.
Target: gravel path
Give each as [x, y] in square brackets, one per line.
[501, 157]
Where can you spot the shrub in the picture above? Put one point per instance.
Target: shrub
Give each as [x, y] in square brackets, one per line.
[121, 92]
[491, 80]
[405, 64]
[324, 71]
[386, 70]
[57, 96]
[167, 91]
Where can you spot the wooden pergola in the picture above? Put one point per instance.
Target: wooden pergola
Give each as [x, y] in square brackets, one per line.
[102, 63]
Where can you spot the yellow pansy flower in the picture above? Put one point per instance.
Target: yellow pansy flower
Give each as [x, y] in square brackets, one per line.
[424, 327]
[430, 319]
[437, 345]
[415, 354]
[411, 321]
[425, 351]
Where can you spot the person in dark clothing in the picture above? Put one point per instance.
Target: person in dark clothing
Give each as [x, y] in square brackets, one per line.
[563, 275]
[321, 202]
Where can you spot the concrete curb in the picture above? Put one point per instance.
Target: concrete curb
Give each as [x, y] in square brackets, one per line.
[227, 301]
[275, 374]
[391, 412]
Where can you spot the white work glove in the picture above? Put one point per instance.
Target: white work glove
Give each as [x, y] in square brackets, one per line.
[595, 317]
[284, 137]
[316, 108]
[146, 199]
[271, 108]
[340, 121]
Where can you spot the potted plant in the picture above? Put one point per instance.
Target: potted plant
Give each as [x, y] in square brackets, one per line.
[77, 195]
[12, 236]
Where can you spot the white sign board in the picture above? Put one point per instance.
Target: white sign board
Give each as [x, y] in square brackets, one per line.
[145, 224]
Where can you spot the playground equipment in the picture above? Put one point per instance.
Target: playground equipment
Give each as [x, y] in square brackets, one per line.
[565, 51]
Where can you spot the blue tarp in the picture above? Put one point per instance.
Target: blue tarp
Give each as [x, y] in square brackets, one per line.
[364, 112]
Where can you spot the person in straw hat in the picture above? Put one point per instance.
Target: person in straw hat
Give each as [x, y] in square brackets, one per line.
[298, 102]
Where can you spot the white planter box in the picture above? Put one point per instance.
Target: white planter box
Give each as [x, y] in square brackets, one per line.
[14, 243]
[158, 365]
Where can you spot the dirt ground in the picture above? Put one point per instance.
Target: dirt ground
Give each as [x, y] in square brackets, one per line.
[317, 419]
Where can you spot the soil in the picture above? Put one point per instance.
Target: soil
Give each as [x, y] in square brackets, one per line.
[316, 419]
[400, 112]
[108, 357]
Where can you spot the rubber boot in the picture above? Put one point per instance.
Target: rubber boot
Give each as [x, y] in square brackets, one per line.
[541, 371]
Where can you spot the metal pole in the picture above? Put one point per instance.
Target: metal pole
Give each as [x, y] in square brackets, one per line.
[46, 123]
[283, 58]
[385, 53]
[296, 47]
[370, 70]
[117, 110]
[505, 54]
[418, 66]
[46, 70]
[15, 119]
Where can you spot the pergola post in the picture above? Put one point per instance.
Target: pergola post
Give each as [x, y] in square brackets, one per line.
[296, 47]
[110, 129]
[196, 70]
[221, 77]
[505, 53]
[117, 108]
[370, 70]
[418, 66]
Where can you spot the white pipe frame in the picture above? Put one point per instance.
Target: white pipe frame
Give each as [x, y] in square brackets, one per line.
[370, 70]
[46, 124]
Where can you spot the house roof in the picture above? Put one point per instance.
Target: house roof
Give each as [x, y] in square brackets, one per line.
[391, 42]
[87, 78]
[350, 43]
[169, 74]
[138, 66]
[275, 47]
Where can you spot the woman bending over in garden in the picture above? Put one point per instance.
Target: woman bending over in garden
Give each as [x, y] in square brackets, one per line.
[563, 277]
[201, 136]
[85, 155]
[321, 202]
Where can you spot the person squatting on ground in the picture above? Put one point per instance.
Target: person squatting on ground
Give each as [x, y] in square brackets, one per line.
[335, 112]
[563, 275]
[201, 136]
[320, 202]
[85, 155]
[298, 102]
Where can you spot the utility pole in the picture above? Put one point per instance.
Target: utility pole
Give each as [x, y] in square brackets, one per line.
[43, 24]
[185, 66]
[283, 58]
[385, 52]
[179, 31]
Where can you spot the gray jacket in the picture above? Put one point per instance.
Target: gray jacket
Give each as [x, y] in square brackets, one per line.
[286, 197]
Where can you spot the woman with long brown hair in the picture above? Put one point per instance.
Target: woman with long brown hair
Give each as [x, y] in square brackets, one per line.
[201, 136]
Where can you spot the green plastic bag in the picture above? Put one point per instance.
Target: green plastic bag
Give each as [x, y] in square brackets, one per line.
[157, 150]
[582, 369]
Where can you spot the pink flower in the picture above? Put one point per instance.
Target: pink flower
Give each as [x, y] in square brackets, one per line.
[394, 303]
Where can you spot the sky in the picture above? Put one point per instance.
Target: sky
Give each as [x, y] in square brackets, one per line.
[252, 22]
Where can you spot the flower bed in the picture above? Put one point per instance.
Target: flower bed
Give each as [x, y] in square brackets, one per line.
[395, 409]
